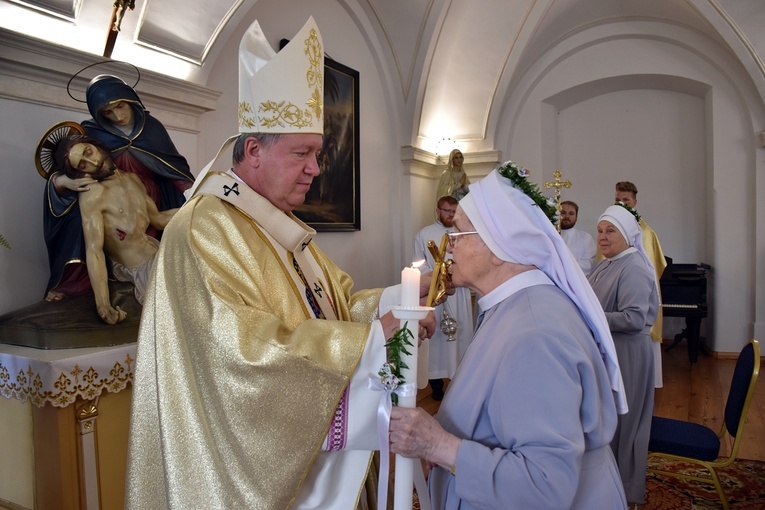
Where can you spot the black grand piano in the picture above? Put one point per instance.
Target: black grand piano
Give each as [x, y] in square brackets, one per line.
[684, 294]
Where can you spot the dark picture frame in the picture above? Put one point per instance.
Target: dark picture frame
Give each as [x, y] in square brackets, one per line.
[333, 204]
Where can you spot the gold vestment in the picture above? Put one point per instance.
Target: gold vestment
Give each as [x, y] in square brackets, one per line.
[236, 383]
[653, 250]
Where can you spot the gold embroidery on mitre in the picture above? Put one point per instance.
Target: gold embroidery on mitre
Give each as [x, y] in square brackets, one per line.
[316, 102]
[244, 120]
[314, 74]
[282, 113]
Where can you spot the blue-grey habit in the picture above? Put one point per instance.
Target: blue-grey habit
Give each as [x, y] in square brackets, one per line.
[627, 290]
[533, 404]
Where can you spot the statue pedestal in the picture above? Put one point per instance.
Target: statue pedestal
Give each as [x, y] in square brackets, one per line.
[72, 322]
[66, 415]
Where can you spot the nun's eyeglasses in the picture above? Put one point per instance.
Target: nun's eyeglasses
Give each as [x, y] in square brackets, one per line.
[452, 236]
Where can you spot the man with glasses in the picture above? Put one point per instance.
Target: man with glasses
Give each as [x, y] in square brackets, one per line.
[445, 349]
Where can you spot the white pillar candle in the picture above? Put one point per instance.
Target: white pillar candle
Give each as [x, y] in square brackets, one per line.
[404, 484]
[410, 287]
[410, 298]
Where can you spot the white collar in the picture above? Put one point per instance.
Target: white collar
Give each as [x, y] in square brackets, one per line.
[513, 285]
[630, 249]
[288, 231]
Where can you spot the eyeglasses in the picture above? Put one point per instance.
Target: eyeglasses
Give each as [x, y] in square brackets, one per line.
[452, 236]
[447, 211]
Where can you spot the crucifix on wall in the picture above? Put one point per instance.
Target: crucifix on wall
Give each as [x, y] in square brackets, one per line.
[120, 6]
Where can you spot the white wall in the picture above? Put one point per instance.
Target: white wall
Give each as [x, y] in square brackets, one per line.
[668, 110]
[654, 138]
[23, 268]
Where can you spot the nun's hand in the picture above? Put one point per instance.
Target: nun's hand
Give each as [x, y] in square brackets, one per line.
[416, 434]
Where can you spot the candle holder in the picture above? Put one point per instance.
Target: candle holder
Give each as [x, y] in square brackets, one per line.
[406, 313]
[409, 317]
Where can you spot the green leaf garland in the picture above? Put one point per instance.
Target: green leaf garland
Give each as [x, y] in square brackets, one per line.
[519, 177]
[630, 210]
[391, 371]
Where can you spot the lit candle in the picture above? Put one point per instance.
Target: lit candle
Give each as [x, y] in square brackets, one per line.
[410, 287]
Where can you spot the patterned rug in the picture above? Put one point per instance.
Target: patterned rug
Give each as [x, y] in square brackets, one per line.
[743, 482]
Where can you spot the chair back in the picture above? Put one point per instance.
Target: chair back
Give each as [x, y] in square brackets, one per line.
[742, 386]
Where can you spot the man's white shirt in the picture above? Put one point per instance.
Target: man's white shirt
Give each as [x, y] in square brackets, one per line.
[582, 245]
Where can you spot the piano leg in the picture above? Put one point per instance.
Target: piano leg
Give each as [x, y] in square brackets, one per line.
[678, 338]
[693, 330]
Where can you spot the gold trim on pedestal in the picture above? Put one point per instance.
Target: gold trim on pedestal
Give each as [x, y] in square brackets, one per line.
[29, 374]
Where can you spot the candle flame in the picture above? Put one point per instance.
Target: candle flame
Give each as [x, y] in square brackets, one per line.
[418, 263]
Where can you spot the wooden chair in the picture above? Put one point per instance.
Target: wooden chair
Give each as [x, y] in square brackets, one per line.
[693, 443]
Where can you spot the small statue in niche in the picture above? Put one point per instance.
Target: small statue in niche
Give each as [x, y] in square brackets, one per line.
[454, 181]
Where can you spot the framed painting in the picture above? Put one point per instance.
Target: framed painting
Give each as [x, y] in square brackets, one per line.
[333, 202]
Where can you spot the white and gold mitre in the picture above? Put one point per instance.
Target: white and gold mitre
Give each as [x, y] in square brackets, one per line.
[281, 92]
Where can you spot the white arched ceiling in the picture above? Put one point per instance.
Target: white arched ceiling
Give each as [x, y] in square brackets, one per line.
[653, 68]
[403, 39]
[471, 51]
[450, 63]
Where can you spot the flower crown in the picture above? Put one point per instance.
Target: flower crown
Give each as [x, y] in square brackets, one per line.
[630, 210]
[518, 176]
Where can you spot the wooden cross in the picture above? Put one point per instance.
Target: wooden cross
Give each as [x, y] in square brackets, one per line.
[114, 25]
[557, 184]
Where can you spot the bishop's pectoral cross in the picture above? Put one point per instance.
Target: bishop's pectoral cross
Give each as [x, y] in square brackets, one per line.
[558, 184]
[114, 25]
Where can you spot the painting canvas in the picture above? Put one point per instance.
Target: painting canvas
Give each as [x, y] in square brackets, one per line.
[332, 203]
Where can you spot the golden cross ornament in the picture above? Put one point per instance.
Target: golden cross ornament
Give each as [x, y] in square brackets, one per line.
[440, 278]
[557, 184]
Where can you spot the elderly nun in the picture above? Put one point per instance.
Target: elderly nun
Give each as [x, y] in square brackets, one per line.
[527, 420]
[625, 283]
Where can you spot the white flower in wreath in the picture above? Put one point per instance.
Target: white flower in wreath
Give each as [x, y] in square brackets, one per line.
[389, 380]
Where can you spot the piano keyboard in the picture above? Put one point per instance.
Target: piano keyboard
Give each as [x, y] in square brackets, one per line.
[673, 305]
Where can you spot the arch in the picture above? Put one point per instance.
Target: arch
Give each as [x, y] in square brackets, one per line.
[651, 58]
